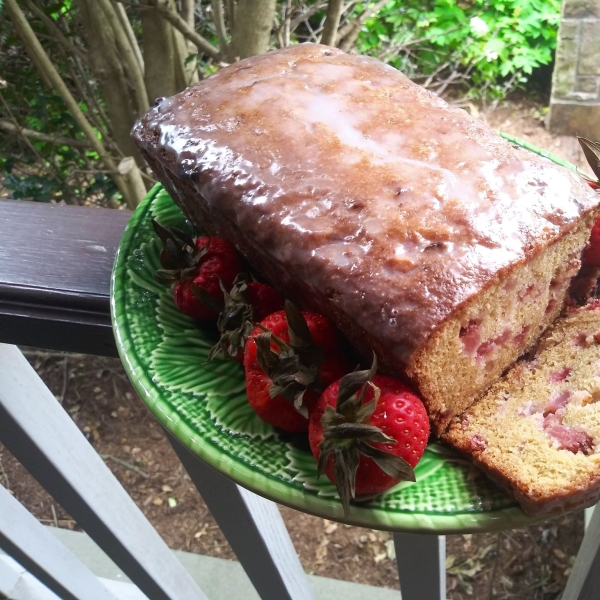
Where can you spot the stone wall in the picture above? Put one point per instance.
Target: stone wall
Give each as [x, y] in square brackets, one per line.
[575, 102]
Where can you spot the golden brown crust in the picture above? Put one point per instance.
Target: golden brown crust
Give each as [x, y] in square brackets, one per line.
[356, 192]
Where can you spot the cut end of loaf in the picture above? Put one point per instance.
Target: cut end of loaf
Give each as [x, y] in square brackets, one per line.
[537, 431]
[473, 348]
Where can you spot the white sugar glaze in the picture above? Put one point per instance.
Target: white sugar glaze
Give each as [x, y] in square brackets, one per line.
[358, 181]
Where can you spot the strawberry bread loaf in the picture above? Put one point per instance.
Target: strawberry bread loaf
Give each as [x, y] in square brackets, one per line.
[419, 231]
[536, 432]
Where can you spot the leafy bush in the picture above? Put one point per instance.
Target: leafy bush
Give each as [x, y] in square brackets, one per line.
[44, 170]
[488, 46]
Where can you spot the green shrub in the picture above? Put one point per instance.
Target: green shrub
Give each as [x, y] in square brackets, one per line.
[489, 46]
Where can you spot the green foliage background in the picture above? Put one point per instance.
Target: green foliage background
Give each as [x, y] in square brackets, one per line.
[482, 48]
[51, 171]
[486, 44]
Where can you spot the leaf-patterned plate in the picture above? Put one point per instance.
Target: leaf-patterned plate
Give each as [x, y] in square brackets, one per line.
[205, 407]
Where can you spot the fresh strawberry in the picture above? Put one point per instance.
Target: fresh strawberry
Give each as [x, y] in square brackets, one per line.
[367, 432]
[264, 299]
[196, 269]
[289, 359]
[591, 254]
[246, 303]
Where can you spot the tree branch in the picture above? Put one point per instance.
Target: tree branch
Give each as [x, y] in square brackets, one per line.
[253, 24]
[307, 14]
[177, 21]
[38, 136]
[348, 33]
[59, 36]
[188, 12]
[190, 69]
[92, 95]
[332, 22]
[219, 21]
[286, 23]
[230, 8]
[30, 41]
[55, 172]
[128, 29]
[89, 99]
[133, 66]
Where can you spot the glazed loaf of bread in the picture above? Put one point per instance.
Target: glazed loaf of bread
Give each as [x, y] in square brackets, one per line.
[418, 230]
[536, 432]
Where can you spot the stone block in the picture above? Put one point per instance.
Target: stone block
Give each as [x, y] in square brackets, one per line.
[588, 85]
[589, 50]
[565, 68]
[574, 119]
[568, 29]
[581, 8]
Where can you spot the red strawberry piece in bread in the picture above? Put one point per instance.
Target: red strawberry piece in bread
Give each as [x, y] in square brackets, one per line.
[196, 268]
[367, 433]
[289, 359]
[245, 304]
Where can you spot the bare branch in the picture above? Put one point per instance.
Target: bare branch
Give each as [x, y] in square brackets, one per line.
[219, 21]
[59, 36]
[348, 34]
[128, 29]
[38, 136]
[332, 22]
[230, 8]
[286, 23]
[85, 97]
[190, 69]
[177, 21]
[307, 14]
[92, 95]
[133, 178]
[133, 66]
[43, 61]
[188, 12]
[54, 172]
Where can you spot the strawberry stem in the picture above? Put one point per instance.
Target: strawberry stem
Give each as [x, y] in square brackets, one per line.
[295, 368]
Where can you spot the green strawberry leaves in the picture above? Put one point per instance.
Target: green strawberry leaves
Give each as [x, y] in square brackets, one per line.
[179, 257]
[591, 150]
[236, 318]
[295, 368]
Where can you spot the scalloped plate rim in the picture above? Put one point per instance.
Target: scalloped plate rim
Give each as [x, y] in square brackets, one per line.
[277, 491]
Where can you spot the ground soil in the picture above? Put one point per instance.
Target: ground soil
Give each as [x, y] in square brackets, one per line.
[524, 564]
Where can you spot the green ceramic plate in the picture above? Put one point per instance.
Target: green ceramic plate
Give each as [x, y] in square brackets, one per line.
[205, 407]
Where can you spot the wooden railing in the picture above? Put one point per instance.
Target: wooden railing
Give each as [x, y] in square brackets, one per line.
[55, 265]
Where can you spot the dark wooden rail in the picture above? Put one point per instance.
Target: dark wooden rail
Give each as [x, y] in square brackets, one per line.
[55, 266]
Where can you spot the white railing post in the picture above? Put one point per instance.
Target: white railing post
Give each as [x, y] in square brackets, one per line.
[36, 549]
[40, 434]
[421, 566]
[255, 530]
[584, 581]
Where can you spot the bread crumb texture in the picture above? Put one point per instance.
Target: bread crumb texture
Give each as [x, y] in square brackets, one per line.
[537, 430]
[475, 347]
